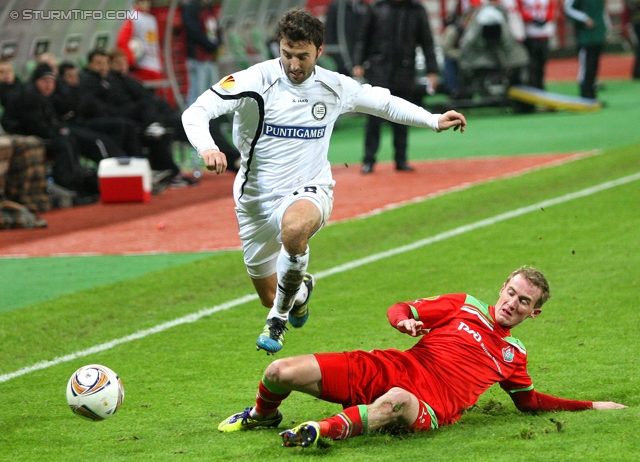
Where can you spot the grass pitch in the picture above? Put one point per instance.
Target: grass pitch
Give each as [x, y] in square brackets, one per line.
[180, 382]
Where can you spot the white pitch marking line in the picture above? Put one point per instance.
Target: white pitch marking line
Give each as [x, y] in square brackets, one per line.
[335, 270]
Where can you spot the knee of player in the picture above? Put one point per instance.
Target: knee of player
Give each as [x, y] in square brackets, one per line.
[279, 371]
[295, 236]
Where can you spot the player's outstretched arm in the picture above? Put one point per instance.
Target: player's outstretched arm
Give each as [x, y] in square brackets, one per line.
[452, 119]
[605, 405]
[214, 160]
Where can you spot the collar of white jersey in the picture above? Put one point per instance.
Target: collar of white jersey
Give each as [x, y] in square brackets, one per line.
[307, 82]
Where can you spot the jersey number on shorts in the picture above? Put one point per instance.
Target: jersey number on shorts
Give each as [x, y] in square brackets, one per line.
[311, 189]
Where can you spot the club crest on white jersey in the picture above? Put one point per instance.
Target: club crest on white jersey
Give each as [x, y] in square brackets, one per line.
[318, 111]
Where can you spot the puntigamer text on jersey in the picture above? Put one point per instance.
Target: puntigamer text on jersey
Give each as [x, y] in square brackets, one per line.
[294, 132]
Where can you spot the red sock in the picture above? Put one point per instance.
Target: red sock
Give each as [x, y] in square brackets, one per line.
[353, 421]
[267, 402]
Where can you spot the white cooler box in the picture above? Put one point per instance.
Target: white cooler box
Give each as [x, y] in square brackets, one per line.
[125, 179]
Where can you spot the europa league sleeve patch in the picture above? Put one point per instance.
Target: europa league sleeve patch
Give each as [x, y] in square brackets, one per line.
[228, 82]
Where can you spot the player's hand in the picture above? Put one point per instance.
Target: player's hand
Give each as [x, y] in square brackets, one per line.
[412, 327]
[214, 160]
[605, 405]
[452, 119]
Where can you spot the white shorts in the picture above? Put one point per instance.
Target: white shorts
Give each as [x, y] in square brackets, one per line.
[261, 235]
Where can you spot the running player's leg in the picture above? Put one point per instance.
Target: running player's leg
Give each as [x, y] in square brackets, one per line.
[304, 213]
[299, 222]
[266, 289]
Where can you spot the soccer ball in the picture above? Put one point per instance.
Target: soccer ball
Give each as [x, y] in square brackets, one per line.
[95, 392]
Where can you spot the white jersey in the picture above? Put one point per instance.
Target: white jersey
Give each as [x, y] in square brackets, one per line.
[145, 28]
[283, 129]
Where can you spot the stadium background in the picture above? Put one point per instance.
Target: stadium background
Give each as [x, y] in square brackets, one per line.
[84, 282]
[247, 26]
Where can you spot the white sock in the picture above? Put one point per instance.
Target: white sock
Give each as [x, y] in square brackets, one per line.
[302, 295]
[290, 270]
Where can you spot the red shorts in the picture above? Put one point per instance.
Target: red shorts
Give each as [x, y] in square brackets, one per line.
[360, 377]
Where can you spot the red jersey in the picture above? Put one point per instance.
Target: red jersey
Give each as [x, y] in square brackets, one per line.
[465, 352]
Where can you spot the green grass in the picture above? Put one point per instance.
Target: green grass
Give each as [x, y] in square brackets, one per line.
[181, 382]
[85, 272]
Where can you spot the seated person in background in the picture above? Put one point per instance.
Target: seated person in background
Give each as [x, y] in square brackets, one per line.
[9, 85]
[50, 59]
[160, 110]
[33, 113]
[68, 100]
[104, 99]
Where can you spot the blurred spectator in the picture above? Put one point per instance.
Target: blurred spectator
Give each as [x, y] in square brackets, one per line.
[161, 112]
[591, 24]
[539, 16]
[98, 138]
[10, 87]
[35, 114]
[512, 11]
[354, 12]
[634, 18]
[204, 39]
[450, 42]
[107, 95]
[50, 59]
[386, 45]
[514, 18]
[139, 40]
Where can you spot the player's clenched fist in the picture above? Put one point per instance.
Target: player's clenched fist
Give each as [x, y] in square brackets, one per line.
[452, 119]
[214, 160]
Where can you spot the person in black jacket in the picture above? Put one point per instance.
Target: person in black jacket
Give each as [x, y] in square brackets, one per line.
[354, 12]
[34, 114]
[96, 141]
[106, 95]
[9, 85]
[159, 110]
[385, 55]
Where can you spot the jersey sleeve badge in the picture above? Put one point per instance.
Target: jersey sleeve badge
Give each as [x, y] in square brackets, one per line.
[228, 82]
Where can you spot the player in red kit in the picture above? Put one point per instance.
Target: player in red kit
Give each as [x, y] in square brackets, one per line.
[465, 347]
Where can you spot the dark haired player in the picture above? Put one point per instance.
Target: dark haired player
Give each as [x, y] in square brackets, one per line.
[284, 113]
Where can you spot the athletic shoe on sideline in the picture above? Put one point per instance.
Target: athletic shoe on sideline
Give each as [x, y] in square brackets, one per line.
[299, 314]
[272, 337]
[243, 421]
[305, 435]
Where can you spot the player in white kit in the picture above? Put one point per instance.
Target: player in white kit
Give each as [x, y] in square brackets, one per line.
[284, 113]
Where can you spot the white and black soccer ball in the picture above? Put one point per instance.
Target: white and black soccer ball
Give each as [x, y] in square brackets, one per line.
[95, 392]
